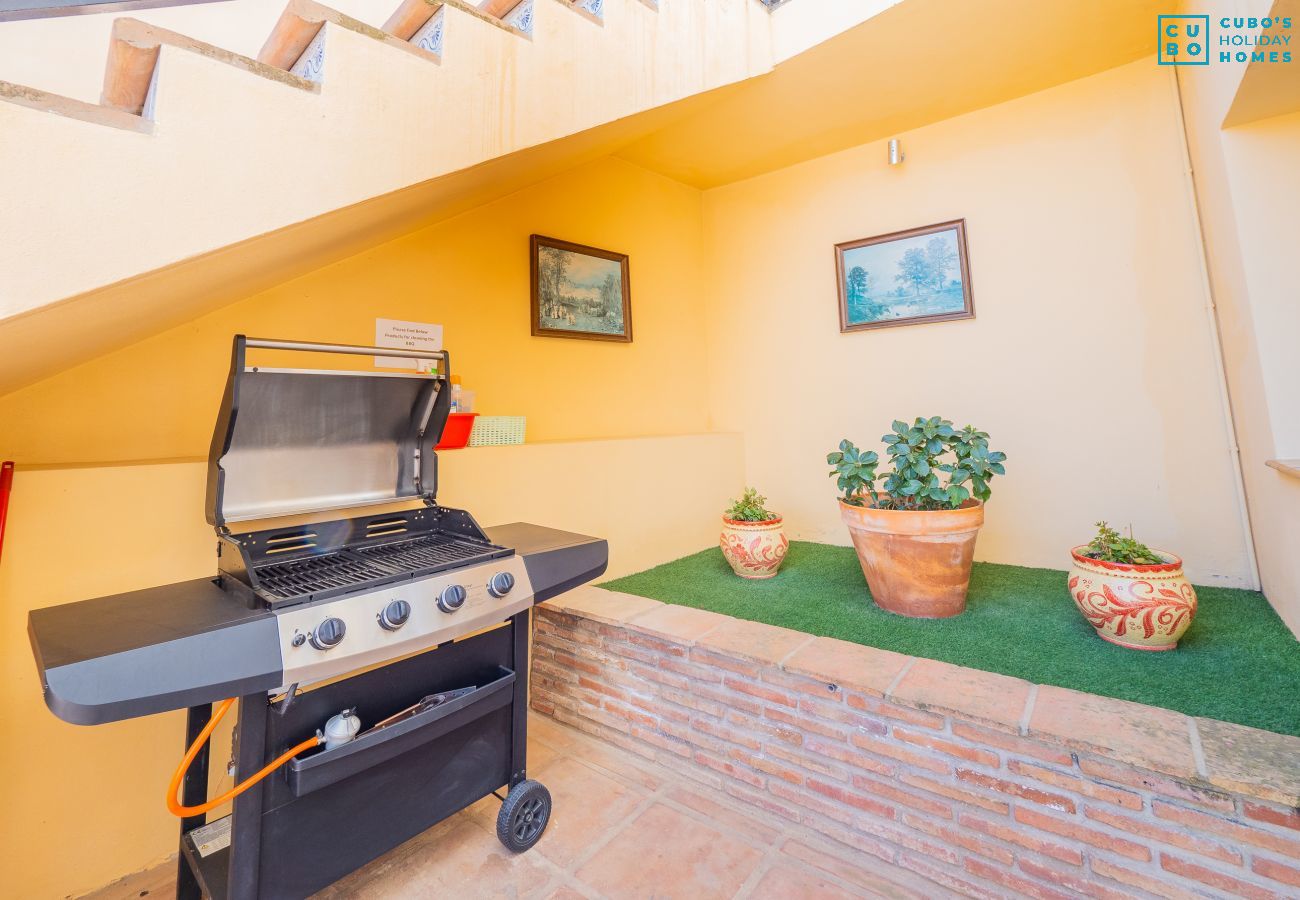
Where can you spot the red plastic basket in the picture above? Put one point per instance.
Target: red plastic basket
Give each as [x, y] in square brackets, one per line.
[456, 433]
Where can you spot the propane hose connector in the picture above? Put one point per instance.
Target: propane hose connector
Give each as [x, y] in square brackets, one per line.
[174, 806]
[341, 729]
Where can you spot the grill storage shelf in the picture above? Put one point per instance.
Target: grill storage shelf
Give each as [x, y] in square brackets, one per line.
[326, 767]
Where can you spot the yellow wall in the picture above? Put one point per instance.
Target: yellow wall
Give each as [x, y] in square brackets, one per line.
[84, 806]
[158, 399]
[653, 498]
[1089, 360]
[1248, 190]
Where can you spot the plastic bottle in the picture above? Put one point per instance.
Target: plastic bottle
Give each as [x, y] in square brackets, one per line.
[455, 394]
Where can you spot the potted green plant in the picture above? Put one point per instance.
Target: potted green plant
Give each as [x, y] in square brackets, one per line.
[753, 538]
[1132, 595]
[915, 533]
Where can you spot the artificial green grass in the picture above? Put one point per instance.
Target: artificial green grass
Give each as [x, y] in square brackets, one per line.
[1237, 662]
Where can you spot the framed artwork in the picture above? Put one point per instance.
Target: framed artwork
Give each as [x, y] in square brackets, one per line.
[905, 278]
[579, 291]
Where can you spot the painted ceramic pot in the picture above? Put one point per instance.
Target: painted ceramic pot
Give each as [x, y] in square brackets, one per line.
[916, 562]
[754, 549]
[1140, 607]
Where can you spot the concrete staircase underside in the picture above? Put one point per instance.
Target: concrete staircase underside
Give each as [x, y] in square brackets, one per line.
[204, 177]
[194, 149]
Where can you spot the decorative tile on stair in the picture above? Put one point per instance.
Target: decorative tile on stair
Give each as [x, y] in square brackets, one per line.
[521, 17]
[311, 65]
[148, 110]
[595, 7]
[429, 37]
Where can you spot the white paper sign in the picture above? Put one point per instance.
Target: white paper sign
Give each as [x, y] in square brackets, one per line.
[408, 336]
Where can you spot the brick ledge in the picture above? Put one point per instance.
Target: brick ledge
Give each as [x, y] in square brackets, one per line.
[1199, 752]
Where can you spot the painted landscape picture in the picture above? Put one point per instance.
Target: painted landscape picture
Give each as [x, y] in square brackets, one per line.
[920, 275]
[579, 291]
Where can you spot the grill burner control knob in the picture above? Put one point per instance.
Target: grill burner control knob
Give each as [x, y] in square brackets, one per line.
[394, 615]
[328, 634]
[501, 584]
[452, 598]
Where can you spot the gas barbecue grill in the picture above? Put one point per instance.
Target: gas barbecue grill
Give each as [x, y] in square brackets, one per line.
[413, 622]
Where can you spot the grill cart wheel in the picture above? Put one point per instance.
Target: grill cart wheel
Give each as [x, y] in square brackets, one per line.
[523, 815]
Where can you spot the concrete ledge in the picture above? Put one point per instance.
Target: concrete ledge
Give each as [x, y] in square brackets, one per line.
[1289, 467]
[988, 781]
[94, 113]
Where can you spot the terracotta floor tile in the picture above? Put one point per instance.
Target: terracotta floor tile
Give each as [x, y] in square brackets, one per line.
[624, 766]
[459, 859]
[158, 882]
[751, 826]
[666, 855]
[545, 730]
[540, 756]
[788, 883]
[711, 851]
[565, 892]
[861, 873]
[588, 805]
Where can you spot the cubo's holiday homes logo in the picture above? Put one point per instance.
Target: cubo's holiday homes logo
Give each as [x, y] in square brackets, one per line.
[1183, 40]
[1186, 40]
[1245, 39]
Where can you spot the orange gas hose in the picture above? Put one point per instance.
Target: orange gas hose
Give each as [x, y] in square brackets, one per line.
[174, 806]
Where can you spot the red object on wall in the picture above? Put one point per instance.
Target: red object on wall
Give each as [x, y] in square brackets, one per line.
[456, 432]
[6, 485]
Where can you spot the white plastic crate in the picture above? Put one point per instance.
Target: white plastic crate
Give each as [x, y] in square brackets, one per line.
[495, 430]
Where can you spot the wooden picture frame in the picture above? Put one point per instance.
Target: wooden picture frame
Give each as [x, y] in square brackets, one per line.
[902, 258]
[595, 306]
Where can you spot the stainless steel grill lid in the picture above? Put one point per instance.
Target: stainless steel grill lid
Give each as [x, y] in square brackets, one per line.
[293, 441]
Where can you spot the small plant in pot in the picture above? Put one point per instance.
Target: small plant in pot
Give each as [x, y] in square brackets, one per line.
[1132, 595]
[753, 538]
[915, 534]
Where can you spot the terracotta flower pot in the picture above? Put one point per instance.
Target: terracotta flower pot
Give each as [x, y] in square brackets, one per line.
[917, 563]
[1140, 607]
[753, 549]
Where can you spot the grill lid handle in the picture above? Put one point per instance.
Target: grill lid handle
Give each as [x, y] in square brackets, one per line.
[352, 349]
[291, 441]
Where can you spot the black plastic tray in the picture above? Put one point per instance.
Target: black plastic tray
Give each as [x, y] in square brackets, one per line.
[331, 766]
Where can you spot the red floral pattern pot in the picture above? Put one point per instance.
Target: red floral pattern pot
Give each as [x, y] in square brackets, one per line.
[1140, 607]
[754, 549]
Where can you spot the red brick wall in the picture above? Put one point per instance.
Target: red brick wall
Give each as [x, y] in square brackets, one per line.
[871, 754]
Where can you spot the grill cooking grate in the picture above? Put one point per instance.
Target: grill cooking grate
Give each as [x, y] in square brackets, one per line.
[427, 554]
[331, 572]
[350, 568]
